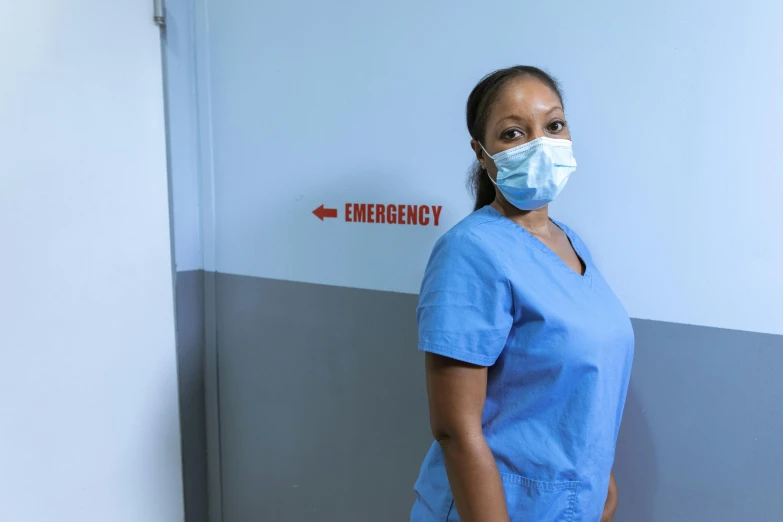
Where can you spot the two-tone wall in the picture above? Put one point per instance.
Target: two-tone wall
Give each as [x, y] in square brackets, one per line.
[356, 107]
[188, 149]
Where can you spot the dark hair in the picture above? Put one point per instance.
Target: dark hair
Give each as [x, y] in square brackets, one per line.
[477, 111]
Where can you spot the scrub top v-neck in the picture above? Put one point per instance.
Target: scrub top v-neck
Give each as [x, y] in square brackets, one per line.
[559, 347]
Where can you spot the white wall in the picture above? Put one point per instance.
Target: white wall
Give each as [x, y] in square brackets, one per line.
[88, 387]
[675, 113]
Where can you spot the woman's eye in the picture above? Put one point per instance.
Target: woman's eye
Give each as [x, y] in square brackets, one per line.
[556, 126]
[512, 134]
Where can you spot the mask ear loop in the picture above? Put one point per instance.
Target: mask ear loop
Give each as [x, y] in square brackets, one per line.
[485, 150]
[485, 169]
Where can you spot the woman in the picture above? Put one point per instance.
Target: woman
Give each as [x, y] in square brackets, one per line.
[528, 351]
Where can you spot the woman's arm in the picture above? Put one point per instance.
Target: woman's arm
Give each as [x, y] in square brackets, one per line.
[611, 501]
[456, 392]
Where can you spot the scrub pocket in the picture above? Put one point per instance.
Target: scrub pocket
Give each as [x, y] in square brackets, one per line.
[534, 501]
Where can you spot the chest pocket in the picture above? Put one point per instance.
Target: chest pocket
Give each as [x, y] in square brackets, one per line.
[534, 501]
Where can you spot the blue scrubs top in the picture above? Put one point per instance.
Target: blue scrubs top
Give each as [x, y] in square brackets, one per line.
[559, 347]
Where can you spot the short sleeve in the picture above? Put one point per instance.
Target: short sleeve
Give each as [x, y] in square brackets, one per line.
[465, 305]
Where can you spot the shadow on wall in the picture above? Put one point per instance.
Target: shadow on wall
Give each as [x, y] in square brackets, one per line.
[635, 466]
[190, 363]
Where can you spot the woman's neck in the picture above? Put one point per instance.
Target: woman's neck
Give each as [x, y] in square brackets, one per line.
[536, 222]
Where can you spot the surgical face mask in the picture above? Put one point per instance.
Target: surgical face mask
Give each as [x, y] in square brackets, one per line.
[532, 175]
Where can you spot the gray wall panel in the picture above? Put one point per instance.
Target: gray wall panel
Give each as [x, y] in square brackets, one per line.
[190, 362]
[702, 434]
[324, 417]
[322, 404]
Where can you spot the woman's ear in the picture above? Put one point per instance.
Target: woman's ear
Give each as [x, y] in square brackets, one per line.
[474, 144]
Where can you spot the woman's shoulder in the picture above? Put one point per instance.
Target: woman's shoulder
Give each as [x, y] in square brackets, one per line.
[470, 232]
[467, 253]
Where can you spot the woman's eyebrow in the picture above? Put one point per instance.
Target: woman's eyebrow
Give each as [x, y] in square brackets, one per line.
[511, 117]
[520, 118]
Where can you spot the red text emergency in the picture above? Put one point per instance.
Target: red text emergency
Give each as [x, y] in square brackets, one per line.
[422, 215]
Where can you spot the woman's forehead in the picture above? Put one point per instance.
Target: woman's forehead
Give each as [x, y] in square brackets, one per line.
[524, 96]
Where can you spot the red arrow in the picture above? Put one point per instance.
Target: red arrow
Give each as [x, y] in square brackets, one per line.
[322, 212]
